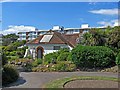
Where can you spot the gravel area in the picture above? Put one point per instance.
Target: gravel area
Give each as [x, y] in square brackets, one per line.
[91, 84]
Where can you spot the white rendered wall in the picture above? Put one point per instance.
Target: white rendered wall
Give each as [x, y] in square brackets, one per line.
[48, 48]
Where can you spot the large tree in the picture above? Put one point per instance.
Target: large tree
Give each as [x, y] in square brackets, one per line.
[114, 38]
[10, 38]
[94, 37]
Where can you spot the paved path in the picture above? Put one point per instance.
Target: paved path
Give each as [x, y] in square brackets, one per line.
[38, 79]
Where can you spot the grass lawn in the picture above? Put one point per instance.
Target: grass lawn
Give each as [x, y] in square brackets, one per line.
[59, 83]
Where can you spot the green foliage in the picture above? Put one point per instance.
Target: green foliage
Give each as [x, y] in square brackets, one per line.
[9, 74]
[93, 56]
[59, 67]
[20, 53]
[64, 66]
[12, 58]
[62, 50]
[118, 59]
[4, 58]
[49, 58]
[29, 57]
[114, 38]
[13, 53]
[8, 39]
[14, 46]
[28, 67]
[94, 37]
[37, 62]
[63, 56]
[69, 58]
[53, 57]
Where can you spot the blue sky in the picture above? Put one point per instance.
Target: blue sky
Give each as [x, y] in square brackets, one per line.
[44, 15]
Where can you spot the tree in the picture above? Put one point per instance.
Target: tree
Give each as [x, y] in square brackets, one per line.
[94, 38]
[114, 38]
[8, 39]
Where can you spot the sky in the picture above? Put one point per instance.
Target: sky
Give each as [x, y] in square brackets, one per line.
[44, 15]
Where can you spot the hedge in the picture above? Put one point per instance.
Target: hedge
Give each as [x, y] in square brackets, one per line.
[93, 56]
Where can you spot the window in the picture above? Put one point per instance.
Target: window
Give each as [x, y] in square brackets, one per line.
[76, 30]
[56, 47]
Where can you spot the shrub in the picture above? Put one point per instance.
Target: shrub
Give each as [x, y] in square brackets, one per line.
[118, 59]
[64, 66]
[13, 53]
[60, 55]
[49, 58]
[29, 57]
[28, 67]
[60, 66]
[63, 50]
[4, 58]
[9, 74]
[11, 58]
[36, 62]
[20, 53]
[69, 57]
[63, 56]
[93, 56]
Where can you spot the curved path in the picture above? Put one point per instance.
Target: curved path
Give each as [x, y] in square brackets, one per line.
[38, 79]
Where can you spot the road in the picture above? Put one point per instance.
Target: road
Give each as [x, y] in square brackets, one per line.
[38, 79]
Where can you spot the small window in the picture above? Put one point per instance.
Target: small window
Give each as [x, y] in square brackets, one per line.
[56, 47]
[76, 30]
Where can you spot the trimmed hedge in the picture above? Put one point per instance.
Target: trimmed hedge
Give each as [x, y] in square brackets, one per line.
[118, 59]
[93, 56]
[9, 74]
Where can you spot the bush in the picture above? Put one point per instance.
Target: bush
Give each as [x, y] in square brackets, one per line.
[69, 57]
[118, 59]
[60, 55]
[63, 50]
[13, 53]
[9, 74]
[11, 58]
[64, 66]
[93, 56]
[29, 57]
[50, 58]
[4, 58]
[20, 53]
[28, 67]
[63, 56]
[36, 62]
[59, 67]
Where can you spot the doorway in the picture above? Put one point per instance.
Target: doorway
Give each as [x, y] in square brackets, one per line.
[40, 52]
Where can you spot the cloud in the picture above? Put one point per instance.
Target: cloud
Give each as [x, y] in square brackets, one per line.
[16, 29]
[92, 3]
[105, 11]
[109, 23]
[6, 0]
